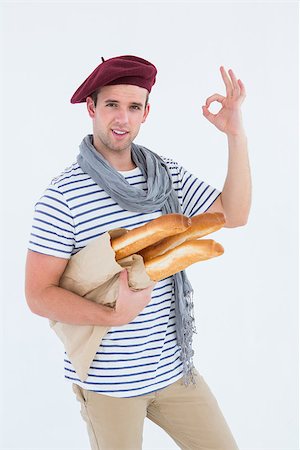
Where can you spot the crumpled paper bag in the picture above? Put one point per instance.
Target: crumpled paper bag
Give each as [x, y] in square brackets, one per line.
[93, 273]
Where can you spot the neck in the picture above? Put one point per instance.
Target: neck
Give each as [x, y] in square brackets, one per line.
[119, 159]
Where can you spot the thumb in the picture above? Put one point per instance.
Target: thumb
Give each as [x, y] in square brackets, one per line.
[123, 278]
[207, 114]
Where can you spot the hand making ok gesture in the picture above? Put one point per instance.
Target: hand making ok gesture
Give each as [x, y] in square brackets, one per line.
[229, 118]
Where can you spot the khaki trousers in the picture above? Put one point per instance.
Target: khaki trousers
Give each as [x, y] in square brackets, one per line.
[190, 415]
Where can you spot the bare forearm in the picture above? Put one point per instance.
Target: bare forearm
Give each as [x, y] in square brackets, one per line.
[61, 305]
[236, 193]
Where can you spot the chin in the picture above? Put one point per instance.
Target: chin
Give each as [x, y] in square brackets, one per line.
[120, 148]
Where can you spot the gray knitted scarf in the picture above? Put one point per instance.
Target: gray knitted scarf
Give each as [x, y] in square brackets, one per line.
[160, 194]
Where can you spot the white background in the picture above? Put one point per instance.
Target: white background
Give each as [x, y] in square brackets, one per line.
[246, 301]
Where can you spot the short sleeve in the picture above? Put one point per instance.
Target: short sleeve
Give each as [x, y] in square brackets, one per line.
[197, 195]
[52, 231]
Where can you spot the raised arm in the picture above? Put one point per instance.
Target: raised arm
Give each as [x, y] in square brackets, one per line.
[235, 199]
[45, 297]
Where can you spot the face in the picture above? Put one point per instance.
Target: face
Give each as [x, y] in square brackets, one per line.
[117, 117]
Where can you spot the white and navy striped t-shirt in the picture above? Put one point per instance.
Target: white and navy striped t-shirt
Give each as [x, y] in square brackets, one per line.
[142, 356]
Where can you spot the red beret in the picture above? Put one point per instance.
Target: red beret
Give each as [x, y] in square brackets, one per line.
[119, 70]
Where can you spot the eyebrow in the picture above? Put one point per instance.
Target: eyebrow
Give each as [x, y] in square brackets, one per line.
[117, 101]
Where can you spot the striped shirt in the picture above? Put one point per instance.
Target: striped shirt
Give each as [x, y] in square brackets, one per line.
[142, 356]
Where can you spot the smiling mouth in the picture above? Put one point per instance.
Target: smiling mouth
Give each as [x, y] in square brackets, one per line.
[119, 133]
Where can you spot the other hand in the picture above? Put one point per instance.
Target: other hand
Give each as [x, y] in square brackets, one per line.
[129, 302]
[229, 118]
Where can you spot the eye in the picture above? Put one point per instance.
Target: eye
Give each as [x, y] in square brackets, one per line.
[135, 107]
[111, 104]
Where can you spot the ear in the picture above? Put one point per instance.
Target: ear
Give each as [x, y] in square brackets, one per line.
[90, 107]
[146, 112]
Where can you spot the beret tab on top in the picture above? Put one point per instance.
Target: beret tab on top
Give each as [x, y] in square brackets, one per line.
[127, 69]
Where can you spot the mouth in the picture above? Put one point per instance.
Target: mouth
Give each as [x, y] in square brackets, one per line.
[119, 134]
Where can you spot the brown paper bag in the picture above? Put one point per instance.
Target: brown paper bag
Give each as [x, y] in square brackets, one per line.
[93, 273]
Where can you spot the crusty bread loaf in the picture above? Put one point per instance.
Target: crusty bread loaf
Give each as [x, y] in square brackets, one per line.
[201, 225]
[151, 232]
[181, 257]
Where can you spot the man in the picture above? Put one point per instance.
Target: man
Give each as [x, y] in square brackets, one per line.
[141, 362]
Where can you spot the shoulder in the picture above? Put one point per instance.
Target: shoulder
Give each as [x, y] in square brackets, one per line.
[68, 175]
[169, 161]
[57, 188]
[171, 164]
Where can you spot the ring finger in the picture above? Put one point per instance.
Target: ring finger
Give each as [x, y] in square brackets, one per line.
[236, 86]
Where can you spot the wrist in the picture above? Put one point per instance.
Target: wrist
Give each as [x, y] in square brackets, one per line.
[237, 136]
[237, 142]
[115, 318]
[108, 316]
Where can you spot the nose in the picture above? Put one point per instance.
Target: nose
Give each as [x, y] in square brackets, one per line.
[121, 116]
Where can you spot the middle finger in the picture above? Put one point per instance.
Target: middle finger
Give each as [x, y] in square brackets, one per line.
[227, 81]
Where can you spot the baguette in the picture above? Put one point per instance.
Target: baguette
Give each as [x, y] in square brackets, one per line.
[181, 257]
[201, 225]
[145, 235]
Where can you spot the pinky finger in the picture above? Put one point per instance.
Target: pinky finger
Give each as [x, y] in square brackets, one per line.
[242, 87]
